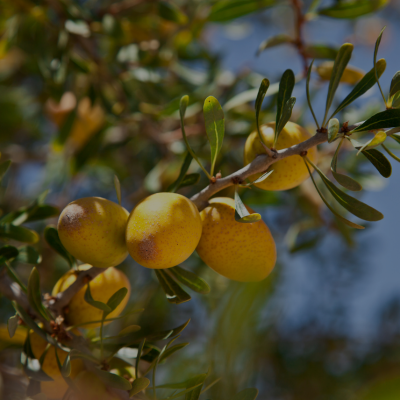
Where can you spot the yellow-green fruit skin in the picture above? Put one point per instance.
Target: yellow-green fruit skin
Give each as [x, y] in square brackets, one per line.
[92, 229]
[163, 230]
[56, 388]
[289, 172]
[243, 252]
[102, 287]
[91, 387]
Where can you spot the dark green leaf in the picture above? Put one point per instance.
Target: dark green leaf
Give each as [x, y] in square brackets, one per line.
[171, 350]
[51, 236]
[66, 367]
[378, 42]
[76, 354]
[35, 212]
[274, 41]
[241, 212]
[196, 383]
[8, 253]
[320, 51]
[189, 279]
[379, 161]
[18, 233]
[227, 10]
[66, 128]
[185, 166]
[4, 168]
[308, 93]
[344, 180]
[28, 255]
[391, 154]
[356, 207]
[139, 354]
[286, 86]
[339, 66]
[215, 127]
[246, 394]
[381, 120]
[352, 9]
[97, 304]
[286, 114]
[117, 186]
[35, 295]
[113, 380]
[174, 293]
[169, 333]
[395, 137]
[189, 180]
[171, 12]
[395, 84]
[116, 299]
[138, 385]
[259, 100]
[363, 86]
[12, 325]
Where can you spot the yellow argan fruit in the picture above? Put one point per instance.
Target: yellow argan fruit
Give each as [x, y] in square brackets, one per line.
[289, 172]
[163, 230]
[17, 340]
[56, 388]
[351, 75]
[92, 229]
[242, 252]
[91, 387]
[102, 288]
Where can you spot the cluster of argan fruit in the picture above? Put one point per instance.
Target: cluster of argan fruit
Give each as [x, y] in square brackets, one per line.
[162, 231]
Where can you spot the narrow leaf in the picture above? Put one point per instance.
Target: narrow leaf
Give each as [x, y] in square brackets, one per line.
[378, 42]
[171, 350]
[241, 212]
[12, 325]
[51, 236]
[29, 321]
[169, 333]
[197, 384]
[246, 394]
[116, 299]
[259, 100]
[185, 166]
[273, 41]
[395, 84]
[228, 10]
[390, 153]
[189, 180]
[376, 141]
[97, 304]
[286, 86]
[352, 9]
[18, 233]
[363, 86]
[339, 66]
[379, 161]
[139, 354]
[117, 186]
[308, 93]
[356, 207]
[189, 279]
[215, 127]
[174, 293]
[381, 120]
[138, 385]
[286, 114]
[66, 367]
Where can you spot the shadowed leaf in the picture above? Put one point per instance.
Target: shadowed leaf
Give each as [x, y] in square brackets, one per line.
[381, 120]
[52, 238]
[189, 279]
[174, 293]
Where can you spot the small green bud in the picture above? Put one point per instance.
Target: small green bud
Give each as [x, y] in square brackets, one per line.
[333, 129]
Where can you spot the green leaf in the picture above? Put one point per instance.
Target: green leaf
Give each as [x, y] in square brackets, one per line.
[76, 354]
[273, 41]
[339, 66]
[227, 10]
[344, 180]
[363, 86]
[12, 325]
[189, 180]
[66, 367]
[185, 166]
[8, 253]
[262, 91]
[352, 9]
[384, 119]
[356, 207]
[286, 86]
[138, 385]
[171, 12]
[286, 114]
[28, 255]
[171, 350]
[117, 185]
[189, 279]
[35, 295]
[19, 233]
[97, 304]
[378, 42]
[395, 84]
[174, 293]
[169, 333]
[377, 140]
[139, 354]
[308, 93]
[241, 213]
[215, 127]
[379, 161]
[338, 216]
[52, 238]
[30, 322]
[197, 384]
[246, 394]
[390, 153]
[115, 300]
[4, 168]
[113, 380]
[320, 51]
[333, 129]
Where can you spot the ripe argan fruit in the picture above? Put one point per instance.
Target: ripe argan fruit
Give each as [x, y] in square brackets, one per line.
[56, 388]
[102, 287]
[163, 230]
[92, 229]
[289, 172]
[242, 252]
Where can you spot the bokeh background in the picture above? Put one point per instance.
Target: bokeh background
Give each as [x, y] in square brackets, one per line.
[89, 89]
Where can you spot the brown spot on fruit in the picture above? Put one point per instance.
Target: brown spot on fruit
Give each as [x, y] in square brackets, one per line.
[148, 249]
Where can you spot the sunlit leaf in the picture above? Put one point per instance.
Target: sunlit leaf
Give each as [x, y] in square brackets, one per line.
[333, 129]
[339, 66]
[189, 279]
[363, 86]
[174, 293]
[241, 212]
[215, 127]
[352, 9]
[377, 140]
